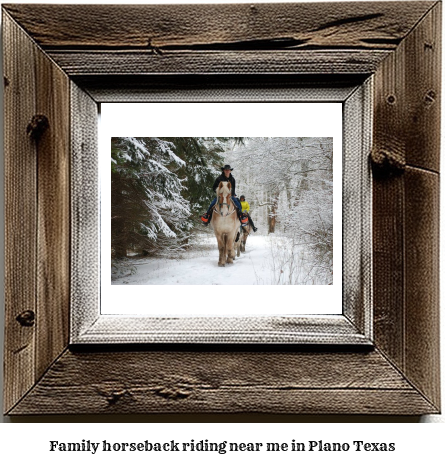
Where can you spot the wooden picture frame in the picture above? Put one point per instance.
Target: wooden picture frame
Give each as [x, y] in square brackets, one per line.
[76, 56]
[90, 318]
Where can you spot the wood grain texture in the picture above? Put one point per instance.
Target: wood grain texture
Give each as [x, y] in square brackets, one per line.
[112, 329]
[407, 133]
[399, 377]
[388, 268]
[341, 25]
[357, 209]
[79, 63]
[37, 216]
[20, 212]
[407, 114]
[422, 364]
[423, 91]
[216, 88]
[85, 207]
[389, 141]
[53, 228]
[222, 382]
[226, 39]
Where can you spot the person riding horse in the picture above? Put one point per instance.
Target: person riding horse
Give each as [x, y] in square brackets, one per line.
[245, 207]
[226, 176]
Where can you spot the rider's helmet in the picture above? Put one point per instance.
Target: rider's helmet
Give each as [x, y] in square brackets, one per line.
[242, 197]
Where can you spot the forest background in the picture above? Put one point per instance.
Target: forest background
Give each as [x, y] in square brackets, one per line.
[161, 186]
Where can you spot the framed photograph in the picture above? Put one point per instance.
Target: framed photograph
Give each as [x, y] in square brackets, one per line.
[266, 240]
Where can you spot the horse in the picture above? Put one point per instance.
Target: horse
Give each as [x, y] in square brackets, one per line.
[241, 243]
[244, 234]
[225, 223]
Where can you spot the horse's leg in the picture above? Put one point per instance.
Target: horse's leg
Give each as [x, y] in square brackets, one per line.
[236, 252]
[221, 249]
[230, 251]
[229, 246]
[230, 254]
[232, 247]
[237, 243]
[243, 242]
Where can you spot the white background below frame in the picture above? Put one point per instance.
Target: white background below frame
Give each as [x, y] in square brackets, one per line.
[210, 120]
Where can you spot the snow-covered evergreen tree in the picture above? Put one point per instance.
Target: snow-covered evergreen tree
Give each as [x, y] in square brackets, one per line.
[148, 210]
[202, 157]
[160, 186]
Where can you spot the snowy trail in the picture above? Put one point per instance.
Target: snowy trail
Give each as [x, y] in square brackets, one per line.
[200, 266]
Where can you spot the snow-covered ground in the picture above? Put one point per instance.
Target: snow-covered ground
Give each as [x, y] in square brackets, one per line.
[266, 261]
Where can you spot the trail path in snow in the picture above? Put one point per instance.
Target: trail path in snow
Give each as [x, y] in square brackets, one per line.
[200, 266]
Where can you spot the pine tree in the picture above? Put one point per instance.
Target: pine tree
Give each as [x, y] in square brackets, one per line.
[149, 212]
[203, 160]
[159, 188]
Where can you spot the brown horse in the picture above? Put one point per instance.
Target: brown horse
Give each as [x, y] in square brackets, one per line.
[244, 235]
[225, 223]
[241, 243]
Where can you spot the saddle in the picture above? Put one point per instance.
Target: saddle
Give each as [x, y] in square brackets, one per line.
[243, 217]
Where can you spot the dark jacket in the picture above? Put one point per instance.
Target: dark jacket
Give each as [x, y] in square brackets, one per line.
[223, 178]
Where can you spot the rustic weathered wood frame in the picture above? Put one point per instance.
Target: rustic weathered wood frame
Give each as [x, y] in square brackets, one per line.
[89, 321]
[69, 58]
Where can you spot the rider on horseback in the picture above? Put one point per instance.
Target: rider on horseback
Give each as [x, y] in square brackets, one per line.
[226, 176]
[245, 207]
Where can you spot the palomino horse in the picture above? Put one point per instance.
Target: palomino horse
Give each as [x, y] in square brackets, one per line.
[225, 223]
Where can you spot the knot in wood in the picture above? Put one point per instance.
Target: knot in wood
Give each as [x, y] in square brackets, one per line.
[26, 318]
[173, 393]
[37, 126]
[387, 163]
[114, 397]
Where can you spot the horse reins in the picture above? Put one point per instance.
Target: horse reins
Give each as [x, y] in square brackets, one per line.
[221, 204]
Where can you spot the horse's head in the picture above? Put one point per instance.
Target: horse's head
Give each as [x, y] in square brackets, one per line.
[224, 195]
[224, 192]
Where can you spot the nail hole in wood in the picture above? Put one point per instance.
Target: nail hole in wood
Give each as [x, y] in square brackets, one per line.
[391, 99]
[430, 97]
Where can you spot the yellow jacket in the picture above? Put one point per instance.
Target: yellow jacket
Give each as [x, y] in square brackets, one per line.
[245, 207]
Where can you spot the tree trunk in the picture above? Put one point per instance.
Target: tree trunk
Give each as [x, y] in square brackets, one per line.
[272, 222]
[272, 217]
[120, 251]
